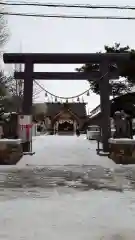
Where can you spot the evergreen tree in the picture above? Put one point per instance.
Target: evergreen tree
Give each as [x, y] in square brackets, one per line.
[120, 86]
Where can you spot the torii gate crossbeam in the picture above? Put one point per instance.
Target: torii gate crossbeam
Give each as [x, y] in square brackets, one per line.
[94, 75]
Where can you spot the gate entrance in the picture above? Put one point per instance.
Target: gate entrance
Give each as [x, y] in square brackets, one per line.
[104, 59]
[65, 126]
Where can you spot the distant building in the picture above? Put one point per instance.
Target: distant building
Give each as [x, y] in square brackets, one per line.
[125, 102]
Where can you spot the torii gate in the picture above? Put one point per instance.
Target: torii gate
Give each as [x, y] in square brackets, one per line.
[104, 59]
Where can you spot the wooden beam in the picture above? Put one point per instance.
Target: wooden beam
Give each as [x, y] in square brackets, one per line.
[65, 75]
[64, 58]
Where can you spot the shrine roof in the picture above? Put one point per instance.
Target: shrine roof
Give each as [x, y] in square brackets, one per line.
[77, 108]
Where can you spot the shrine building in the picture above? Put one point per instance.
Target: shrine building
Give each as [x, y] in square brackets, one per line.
[65, 116]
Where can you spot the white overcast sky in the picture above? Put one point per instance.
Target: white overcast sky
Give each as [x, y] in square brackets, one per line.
[69, 35]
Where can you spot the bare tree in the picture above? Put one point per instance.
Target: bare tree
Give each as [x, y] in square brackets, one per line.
[3, 90]
[11, 90]
[4, 31]
[4, 35]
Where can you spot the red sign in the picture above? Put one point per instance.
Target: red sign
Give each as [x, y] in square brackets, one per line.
[26, 128]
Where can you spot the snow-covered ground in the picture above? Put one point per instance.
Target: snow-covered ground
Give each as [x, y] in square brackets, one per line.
[91, 215]
[65, 191]
[63, 150]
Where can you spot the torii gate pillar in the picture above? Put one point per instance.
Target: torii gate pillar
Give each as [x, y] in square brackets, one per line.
[105, 105]
[27, 101]
[28, 89]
